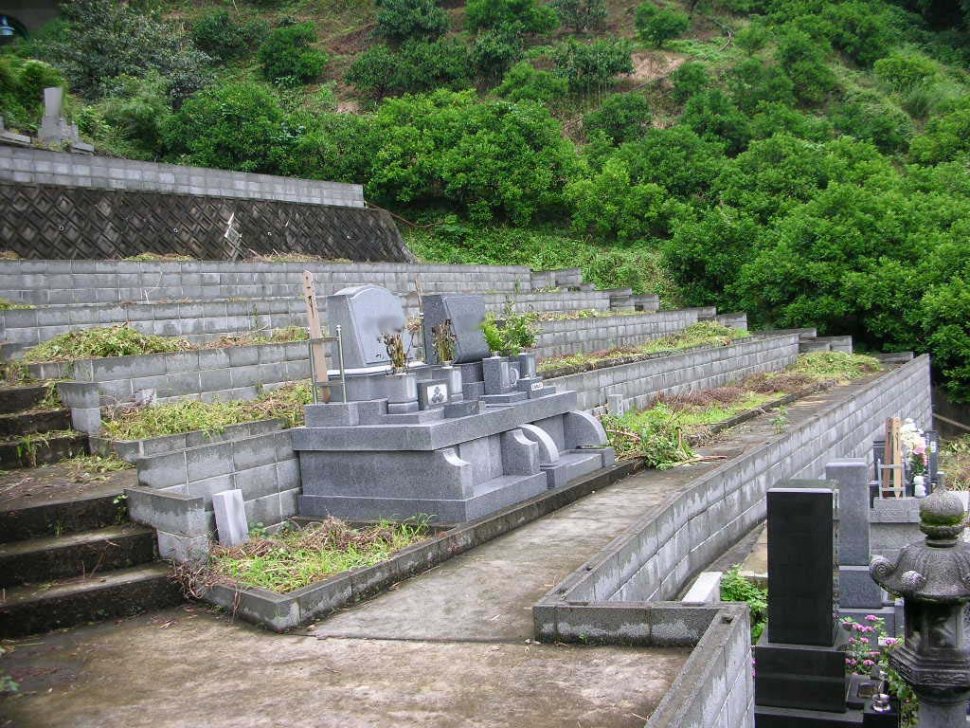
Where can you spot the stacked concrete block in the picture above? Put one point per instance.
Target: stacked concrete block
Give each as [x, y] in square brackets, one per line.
[41, 167]
[638, 384]
[663, 550]
[573, 336]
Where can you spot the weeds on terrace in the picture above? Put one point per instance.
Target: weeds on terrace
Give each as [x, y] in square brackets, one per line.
[278, 257]
[159, 258]
[8, 305]
[836, 366]
[123, 340]
[296, 557]
[120, 340]
[704, 333]
[90, 468]
[955, 462]
[735, 588]
[285, 403]
[661, 434]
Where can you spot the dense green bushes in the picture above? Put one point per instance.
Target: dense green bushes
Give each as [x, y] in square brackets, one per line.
[287, 56]
[401, 20]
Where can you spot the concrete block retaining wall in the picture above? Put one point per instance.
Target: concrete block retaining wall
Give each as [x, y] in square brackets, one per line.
[237, 372]
[204, 320]
[56, 282]
[41, 167]
[176, 489]
[657, 555]
[560, 338]
[638, 384]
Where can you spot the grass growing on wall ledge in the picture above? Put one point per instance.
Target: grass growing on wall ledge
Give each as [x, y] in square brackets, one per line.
[123, 340]
[296, 556]
[703, 333]
[174, 418]
[662, 435]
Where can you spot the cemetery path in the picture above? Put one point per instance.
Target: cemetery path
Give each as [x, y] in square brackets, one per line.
[451, 647]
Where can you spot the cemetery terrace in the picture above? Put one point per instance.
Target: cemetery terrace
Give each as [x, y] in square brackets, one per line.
[486, 528]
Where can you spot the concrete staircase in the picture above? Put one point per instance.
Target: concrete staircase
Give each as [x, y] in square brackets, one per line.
[68, 562]
[33, 431]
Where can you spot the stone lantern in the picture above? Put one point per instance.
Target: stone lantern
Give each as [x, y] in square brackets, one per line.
[934, 580]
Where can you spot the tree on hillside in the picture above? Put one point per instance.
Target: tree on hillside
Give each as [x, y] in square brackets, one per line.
[658, 25]
[401, 20]
[533, 16]
[581, 15]
[592, 66]
[288, 57]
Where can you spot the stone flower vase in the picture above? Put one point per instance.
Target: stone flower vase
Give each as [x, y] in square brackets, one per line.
[400, 387]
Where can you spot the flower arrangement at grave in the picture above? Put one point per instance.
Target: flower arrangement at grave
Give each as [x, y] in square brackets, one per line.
[394, 345]
[913, 441]
[445, 343]
[868, 654]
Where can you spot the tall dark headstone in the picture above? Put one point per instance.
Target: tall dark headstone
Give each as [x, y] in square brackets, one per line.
[466, 313]
[799, 660]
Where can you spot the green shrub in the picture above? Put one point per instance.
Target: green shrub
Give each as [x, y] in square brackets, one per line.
[689, 79]
[337, 147]
[752, 83]
[401, 20]
[609, 205]
[488, 159]
[903, 69]
[752, 38]
[238, 126]
[511, 333]
[533, 16]
[946, 138]
[713, 114]
[656, 26]
[287, 57]
[804, 60]
[104, 39]
[621, 117]
[523, 82]
[860, 29]
[137, 112]
[871, 119]
[581, 15]
[772, 118]
[22, 84]
[495, 51]
[676, 158]
[735, 588]
[416, 66]
[592, 66]
[222, 38]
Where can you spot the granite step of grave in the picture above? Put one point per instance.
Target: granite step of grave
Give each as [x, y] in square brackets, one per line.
[487, 497]
[59, 517]
[25, 423]
[21, 397]
[41, 449]
[120, 593]
[46, 559]
[572, 465]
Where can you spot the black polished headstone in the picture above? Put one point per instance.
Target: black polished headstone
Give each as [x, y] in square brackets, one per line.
[800, 554]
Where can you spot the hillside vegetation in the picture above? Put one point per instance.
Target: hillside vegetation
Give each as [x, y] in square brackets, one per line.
[803, 160]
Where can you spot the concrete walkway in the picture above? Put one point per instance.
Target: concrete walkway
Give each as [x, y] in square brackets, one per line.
[451, 647]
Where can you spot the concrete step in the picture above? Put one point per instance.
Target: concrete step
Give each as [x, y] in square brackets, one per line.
[50, 558]
[22, 423]
[18, 398]
[122, 593]
[54, 518]
[41, 448]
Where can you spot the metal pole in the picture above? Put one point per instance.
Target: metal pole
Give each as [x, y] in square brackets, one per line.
[340, 356]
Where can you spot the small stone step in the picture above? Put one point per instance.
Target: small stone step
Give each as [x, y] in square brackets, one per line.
[18, 398]
[41, 449]
[100, 509]
[122, 593]
[47, 559]
[22, 423]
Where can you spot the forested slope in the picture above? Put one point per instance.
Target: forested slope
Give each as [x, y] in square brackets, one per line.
[803, 160]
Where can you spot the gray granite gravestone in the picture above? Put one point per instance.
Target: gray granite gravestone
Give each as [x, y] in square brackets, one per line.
[230, 515]
[466, 314]
[800, 659]
[857, 590]
[365, 313]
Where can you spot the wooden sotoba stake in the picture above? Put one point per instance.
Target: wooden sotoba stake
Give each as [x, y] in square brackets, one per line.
[319, 373]
[897, 459]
